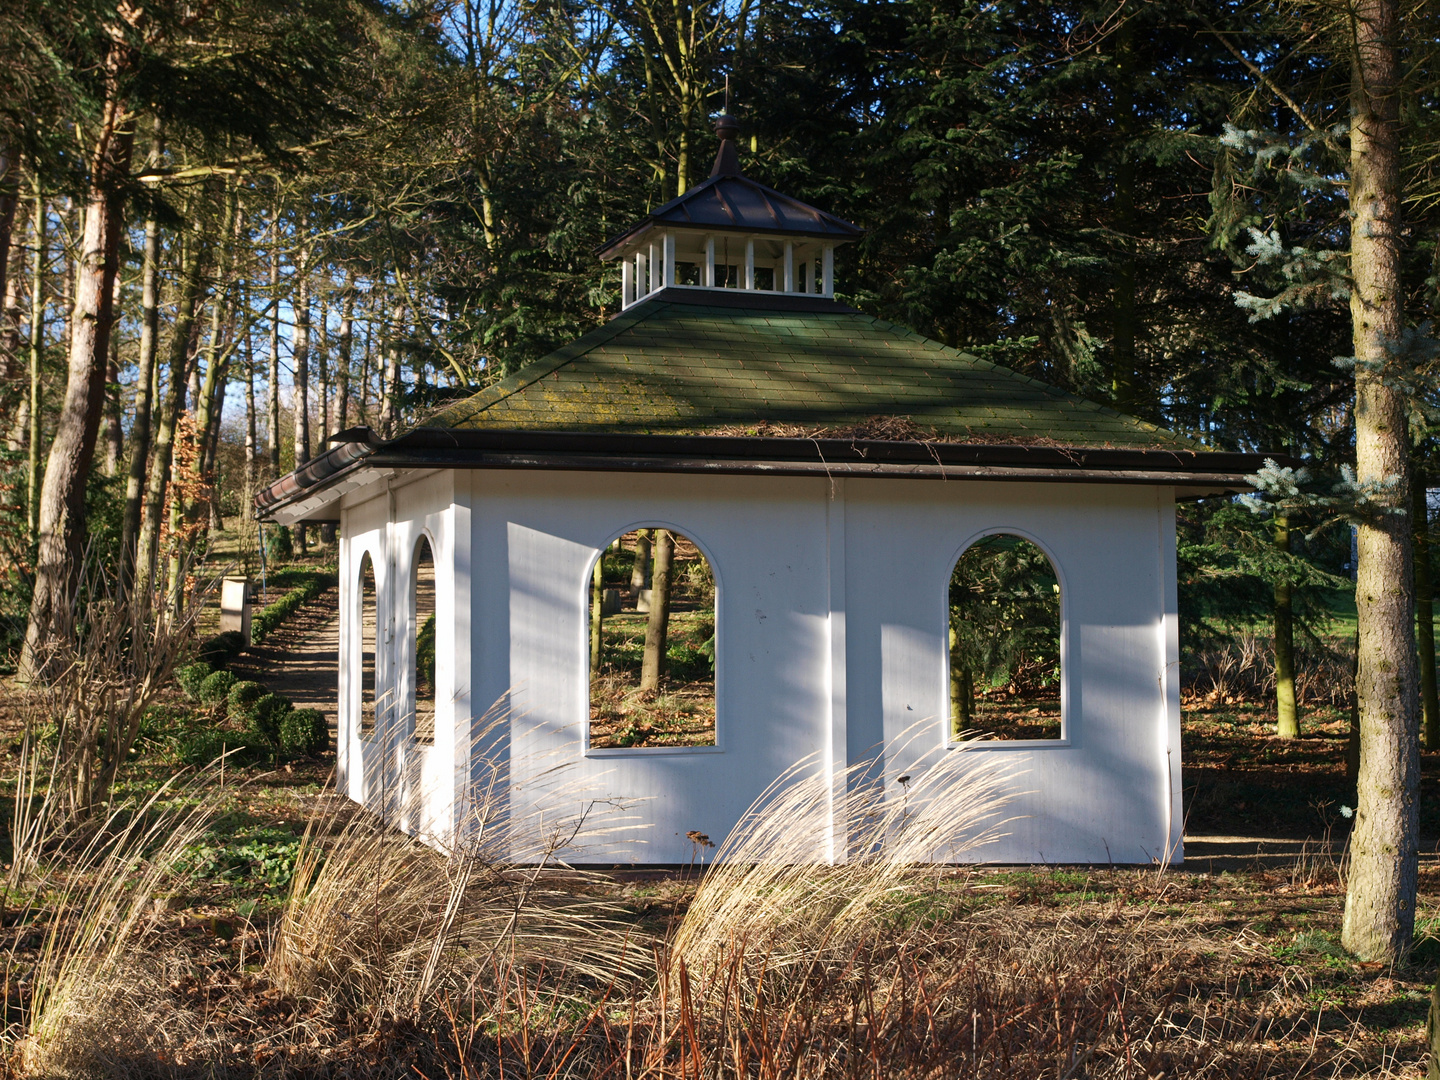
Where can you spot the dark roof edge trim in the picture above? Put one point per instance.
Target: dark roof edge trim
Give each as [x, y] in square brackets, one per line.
[429, 448]
[746, 299]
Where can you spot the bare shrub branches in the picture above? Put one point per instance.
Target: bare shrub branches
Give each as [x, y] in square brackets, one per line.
[107, 662]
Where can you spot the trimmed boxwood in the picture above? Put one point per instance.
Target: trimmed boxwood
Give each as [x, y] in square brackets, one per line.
[242, 698]
[216, 687]
[303, 732]
[266, 716]
[191, 676]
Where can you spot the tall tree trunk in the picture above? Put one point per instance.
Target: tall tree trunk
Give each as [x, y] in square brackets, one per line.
[18, 437]
[148, 543]
[657, 627]
[390, 380]
[247, 501]
[211, 405]
[114, 431]
[344, 344]
[1425, 615]
[362, 406]
[1384, 846]
[1287, 719]
[300, 361]
[962, 689]
[323, 369]
[640, 569]
[144, 392]
[37, 348]
[11, 249]
[272, 389]
[62, 497]
[321, 360]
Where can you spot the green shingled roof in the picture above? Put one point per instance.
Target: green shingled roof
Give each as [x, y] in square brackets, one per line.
[689, 368]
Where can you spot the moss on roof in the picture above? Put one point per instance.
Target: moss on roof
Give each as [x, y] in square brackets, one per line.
[687, 368]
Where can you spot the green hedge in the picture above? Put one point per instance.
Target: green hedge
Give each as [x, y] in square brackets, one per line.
[191, 676]
[304, 586]
[303, 732]
[216, 686]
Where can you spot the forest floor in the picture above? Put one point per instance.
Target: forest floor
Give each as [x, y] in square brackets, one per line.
[1226, 965]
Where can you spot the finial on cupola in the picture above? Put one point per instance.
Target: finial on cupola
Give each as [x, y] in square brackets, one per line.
[727, 158]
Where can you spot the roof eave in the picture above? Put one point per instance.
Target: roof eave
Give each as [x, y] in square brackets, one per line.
[429, 448]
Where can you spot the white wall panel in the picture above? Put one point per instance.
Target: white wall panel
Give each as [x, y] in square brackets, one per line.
[831, 645]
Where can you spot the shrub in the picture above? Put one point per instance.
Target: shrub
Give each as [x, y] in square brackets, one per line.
[266, 716]
[191, 676]
[216, 686]
[304, 732]
[201, 746]
[279, 547]
[243, 696]
[222, 648]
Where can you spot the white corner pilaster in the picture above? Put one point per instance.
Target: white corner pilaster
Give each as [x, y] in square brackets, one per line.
[837, 748]
[1169, 650]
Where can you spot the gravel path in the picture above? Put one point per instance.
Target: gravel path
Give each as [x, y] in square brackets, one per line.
[301, 658]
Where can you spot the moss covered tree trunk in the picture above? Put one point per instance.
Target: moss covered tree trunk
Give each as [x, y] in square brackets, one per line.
[144, 393]
[1380, 897]
[657, 629]
[962, 689]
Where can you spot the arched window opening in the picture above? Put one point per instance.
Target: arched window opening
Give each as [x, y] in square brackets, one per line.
[422, 644]
[652, 643]
[1005, 678]
[367, 646]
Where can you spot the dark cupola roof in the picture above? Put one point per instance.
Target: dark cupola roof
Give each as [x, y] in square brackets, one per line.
[730, 232]
[729, 201]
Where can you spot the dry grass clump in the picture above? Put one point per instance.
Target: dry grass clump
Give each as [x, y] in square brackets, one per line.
[387, 927]
[98, 906]
[766, 895]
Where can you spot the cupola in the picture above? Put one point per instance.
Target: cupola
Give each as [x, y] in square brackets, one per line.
[730, 233]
